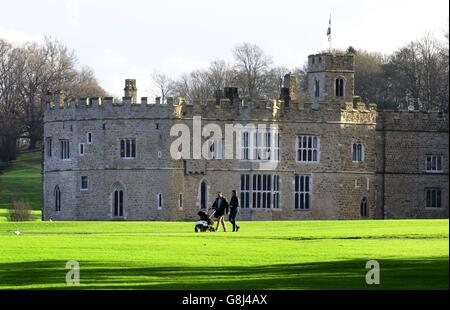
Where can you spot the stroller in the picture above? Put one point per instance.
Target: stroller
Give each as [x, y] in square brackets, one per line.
[205, 223]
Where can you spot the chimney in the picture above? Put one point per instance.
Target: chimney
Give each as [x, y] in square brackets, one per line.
[290, 82]
[130, 90]
[58, 98]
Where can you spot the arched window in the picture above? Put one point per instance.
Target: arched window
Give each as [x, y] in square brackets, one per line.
[57, 199]
[204, 195]
[118, 203]
[363, 208]
[339, 87]
[317, 89]
[357, 152]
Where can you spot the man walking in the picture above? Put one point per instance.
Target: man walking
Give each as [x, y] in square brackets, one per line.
[234, 205]
[220, 206]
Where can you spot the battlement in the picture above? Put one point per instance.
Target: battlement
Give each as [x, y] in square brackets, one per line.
[61, 108]
[413, 120]
[331, 62]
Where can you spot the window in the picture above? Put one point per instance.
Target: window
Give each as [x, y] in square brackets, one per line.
[245, 146]
[276, 191]
[81, 148]
[159, 201]
[216, 149]
[434, 163]
[363, 207]
[128, 148]
[204, 195]
[245, 191]
[260, 145]
[180, 201]
[434, 198]
[84, 183]
[118, 203]
[357, 152]
[263, 191]
[302, 197]
[89, 138]
[308, 148]
[65, 149]
[57, 194]
[317, 89]
[339, 87]
[48, 146]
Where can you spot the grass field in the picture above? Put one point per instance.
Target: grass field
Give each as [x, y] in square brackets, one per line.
[22, 180]
[413, 254]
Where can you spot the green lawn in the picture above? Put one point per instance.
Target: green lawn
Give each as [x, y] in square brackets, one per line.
[21, 180]
[413, 254]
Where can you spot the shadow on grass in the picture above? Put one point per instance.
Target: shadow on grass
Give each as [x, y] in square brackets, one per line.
[347, 274]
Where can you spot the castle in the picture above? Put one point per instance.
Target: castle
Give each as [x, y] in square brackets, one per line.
[332, 157]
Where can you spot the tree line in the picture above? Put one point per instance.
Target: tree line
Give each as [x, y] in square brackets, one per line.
[28, 72]
[416, 74]
[251, 72]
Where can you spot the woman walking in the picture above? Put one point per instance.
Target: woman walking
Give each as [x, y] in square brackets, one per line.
[234, 205]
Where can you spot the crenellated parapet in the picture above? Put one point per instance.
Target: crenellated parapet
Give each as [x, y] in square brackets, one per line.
[359, 112]
[60, 108]
[413, 120]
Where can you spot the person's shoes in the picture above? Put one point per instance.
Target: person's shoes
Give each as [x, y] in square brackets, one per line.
[237, 228]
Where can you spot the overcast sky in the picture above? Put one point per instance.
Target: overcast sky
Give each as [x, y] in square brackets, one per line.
[131, 38]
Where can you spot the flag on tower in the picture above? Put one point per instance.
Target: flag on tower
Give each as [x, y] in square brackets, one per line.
[329, 30]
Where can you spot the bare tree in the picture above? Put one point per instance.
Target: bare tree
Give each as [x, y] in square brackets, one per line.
[10, 115]
[85, 84]
[47, 67]
[252, 64]
[220, 74]
[164, 84]
[28, 73]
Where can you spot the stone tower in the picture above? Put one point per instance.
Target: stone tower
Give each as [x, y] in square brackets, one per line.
[331, 77]
[131, 89]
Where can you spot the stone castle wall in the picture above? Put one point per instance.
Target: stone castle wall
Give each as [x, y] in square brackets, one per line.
[405, 139]
[391, 178]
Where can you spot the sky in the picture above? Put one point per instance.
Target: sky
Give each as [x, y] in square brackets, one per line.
[134, 38]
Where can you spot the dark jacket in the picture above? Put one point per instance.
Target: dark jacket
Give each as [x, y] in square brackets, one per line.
[234, 202]
[234, 205]
[222, 209]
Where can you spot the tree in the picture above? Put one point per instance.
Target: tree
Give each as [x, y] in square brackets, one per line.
[11, 66]
[85, 84]
[164, 84]
[252, 64]
[28, 73]
[220, 74]
[419, 74]
[369, 76]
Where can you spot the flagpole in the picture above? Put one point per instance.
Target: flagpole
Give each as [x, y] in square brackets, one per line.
[329, 34]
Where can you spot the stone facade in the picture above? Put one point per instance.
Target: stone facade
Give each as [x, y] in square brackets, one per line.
[388, 181]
